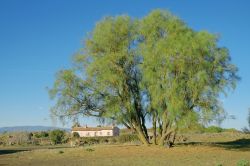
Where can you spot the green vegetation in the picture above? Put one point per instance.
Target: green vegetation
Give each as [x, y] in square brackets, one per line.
[75, 135]
[198, 149]
[243, 163]
[57, 136]
[42, 134]
[128, 138]
[153, 68]
[213, 129]
[61, 137]
[34, 138]
[210, 129]
[124, 138]
[61, 152]
[90, 150]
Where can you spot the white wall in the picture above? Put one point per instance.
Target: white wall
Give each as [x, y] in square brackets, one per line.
[95, 133]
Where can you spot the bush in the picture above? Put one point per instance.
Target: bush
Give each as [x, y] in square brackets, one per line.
[213, 129]
[124, 138]
[127, 138]
[243, 163]
[19, 138]
[41, 134]
[90, 150]
[56, 136]
[112, 140]
[90, 140]
[104, 140]
[233, 130]
[61, 152]
[75, 135]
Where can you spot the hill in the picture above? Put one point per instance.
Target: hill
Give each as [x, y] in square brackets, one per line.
[29, 128]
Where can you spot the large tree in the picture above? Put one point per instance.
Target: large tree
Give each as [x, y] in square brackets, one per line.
[156, 68]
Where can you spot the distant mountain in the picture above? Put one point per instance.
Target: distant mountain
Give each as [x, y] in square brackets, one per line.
[29, 128]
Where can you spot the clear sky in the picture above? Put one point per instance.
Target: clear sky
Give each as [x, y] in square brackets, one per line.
[38, 38]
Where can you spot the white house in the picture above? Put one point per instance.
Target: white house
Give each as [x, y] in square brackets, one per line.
[96, 131]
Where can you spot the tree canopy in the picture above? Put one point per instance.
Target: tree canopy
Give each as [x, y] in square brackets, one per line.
[153, 69]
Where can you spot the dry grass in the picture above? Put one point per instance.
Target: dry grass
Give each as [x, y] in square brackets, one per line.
[200, 154]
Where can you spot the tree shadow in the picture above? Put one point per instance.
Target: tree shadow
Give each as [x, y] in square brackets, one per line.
[3, 152]
[239, 144]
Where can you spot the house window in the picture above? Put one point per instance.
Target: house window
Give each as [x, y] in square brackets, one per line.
[108, 133]
[100, 133]
[95, 133]
[87, 134]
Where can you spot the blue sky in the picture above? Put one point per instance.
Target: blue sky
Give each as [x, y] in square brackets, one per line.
[38, 38]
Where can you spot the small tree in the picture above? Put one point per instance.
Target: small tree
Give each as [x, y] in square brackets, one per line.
[56, 136]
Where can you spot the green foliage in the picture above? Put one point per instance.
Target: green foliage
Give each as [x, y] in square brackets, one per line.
[213, 129]
[56, 136]
[230, 130]
[113, 140]
[243, 163]
[61, 152]
[90, 149]
[219, 165]
[124, 138]
[76, 135]
[127, 138]
[198, 128]
[91, 140]
[155, 66]
[97, 140]
[41, 134]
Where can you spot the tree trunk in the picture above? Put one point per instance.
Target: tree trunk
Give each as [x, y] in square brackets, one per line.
[154, 128]
[164, 137]
[174, 136]
[165, 124]
[141, 135]
[160, 127]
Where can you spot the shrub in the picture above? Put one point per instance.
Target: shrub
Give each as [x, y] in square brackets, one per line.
[124, 138]
[90, 140]
[19, 138]
[41, 134]
[75, 135]
[230, 130]
[90, 150]
[213, 129]
[104, 140]
[243, 163]
[56, 136]
[61, 152]
[112, 140]
[127, 138]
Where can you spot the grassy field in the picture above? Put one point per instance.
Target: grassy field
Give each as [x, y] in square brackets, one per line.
[203, 149]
